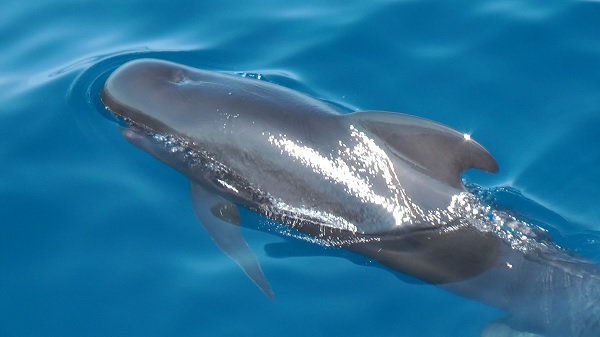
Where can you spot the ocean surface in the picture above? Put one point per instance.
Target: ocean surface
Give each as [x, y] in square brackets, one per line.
[99, 239]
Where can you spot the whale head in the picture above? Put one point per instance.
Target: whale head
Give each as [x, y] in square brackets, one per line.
[165, 97]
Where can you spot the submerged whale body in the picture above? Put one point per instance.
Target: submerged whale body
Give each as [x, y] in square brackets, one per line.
[384, 185]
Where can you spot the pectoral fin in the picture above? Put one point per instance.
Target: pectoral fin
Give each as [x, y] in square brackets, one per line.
[221, 219]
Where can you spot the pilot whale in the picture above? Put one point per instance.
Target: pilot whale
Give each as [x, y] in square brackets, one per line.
[384, 185]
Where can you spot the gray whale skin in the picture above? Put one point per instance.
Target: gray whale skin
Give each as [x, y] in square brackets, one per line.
[384, 185]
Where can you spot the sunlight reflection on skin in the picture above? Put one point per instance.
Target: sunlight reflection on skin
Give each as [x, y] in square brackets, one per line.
[355, 166]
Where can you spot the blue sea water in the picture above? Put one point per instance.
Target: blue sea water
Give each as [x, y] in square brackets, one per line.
[99, 239]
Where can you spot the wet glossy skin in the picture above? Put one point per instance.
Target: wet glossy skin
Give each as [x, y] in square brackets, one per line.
[257, 129]
[383, 185]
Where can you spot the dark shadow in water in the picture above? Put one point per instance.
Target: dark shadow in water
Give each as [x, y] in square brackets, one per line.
[294, 248]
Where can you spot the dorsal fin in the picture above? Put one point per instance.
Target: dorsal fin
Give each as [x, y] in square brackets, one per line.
[435, 149]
